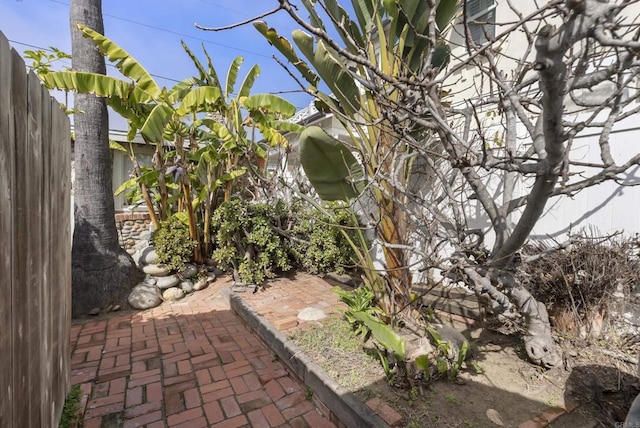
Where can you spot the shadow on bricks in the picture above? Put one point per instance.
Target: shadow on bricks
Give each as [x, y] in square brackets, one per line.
[190, 363]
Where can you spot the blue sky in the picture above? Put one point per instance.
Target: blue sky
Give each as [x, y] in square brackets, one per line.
[151, 31]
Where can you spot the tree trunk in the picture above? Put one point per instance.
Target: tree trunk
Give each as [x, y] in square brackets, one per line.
[102, 272]
[504, 289]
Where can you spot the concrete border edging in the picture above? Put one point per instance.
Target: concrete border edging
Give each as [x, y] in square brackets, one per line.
[346, 407]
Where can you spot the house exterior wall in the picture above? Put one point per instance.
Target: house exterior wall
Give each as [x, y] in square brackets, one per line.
[604, 208]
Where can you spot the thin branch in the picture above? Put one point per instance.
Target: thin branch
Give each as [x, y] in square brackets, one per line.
[241, 23]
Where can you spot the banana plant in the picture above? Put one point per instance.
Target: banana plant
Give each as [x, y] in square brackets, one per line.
[388, 50]
[206, 152]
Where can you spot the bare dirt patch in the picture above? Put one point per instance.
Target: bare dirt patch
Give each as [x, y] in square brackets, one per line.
[496, 384]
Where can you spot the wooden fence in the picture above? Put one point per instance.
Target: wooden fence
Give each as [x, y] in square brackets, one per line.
[35, 258]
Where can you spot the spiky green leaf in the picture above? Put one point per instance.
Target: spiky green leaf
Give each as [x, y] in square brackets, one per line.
[232, 76]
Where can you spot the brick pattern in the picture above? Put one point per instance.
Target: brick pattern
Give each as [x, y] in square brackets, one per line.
[186, 364]
[283, 298]
[136, 215]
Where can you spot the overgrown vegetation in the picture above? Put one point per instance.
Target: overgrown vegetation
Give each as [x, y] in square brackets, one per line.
[318, 240]
[245, 240]
[258, 241]
[173, 244]
[69, 415]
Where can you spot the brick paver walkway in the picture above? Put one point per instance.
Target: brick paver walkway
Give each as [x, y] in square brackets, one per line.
[282, 299]
[190, 363]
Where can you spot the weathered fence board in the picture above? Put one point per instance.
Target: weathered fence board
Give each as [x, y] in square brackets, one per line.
[35, 262]
[7, 213]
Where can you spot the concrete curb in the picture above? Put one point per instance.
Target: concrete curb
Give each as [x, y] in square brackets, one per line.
[343, 405]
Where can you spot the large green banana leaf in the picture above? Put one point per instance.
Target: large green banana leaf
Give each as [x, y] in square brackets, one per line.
[99, 84]
[383, 333]
[199, 99]
[126, 63]
[330, 166]
[269, 102]
[248, 81]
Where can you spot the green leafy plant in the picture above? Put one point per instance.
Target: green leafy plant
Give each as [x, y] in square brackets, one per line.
[246, 241]
[210, 126]
[173, 244]
[42, 60]
[363, 315]
[444, 364]
[69, 416]
[318, 241]
[308, 393]
[360, 299]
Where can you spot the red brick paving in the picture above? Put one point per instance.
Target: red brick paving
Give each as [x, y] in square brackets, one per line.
[190, 363]
[292, 295]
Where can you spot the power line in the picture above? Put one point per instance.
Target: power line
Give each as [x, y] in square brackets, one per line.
[154, 27]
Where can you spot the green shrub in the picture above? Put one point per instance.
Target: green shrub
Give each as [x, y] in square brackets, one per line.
[173, 244]
[246, 240]
[321, 245]
[259, 241]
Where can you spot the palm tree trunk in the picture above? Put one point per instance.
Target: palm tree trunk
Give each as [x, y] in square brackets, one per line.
[102, 272]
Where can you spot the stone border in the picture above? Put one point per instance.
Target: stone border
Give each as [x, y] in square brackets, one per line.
[342, 404]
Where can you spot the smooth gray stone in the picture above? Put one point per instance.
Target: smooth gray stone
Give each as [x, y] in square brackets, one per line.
[186, 286]
[150, 280]
[156, 270]
[311, 314]
[144, 296]
[214, 270]
[173, 293]
[188, 271]
[165, 282]
[141, 245]
[149, 256]
[145, 235]
[201, 284]
[136, 257]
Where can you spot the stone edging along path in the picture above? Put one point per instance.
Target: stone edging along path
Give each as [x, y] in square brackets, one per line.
[344, 407]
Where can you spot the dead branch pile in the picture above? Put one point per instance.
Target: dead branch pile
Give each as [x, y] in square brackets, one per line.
[578, 283]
